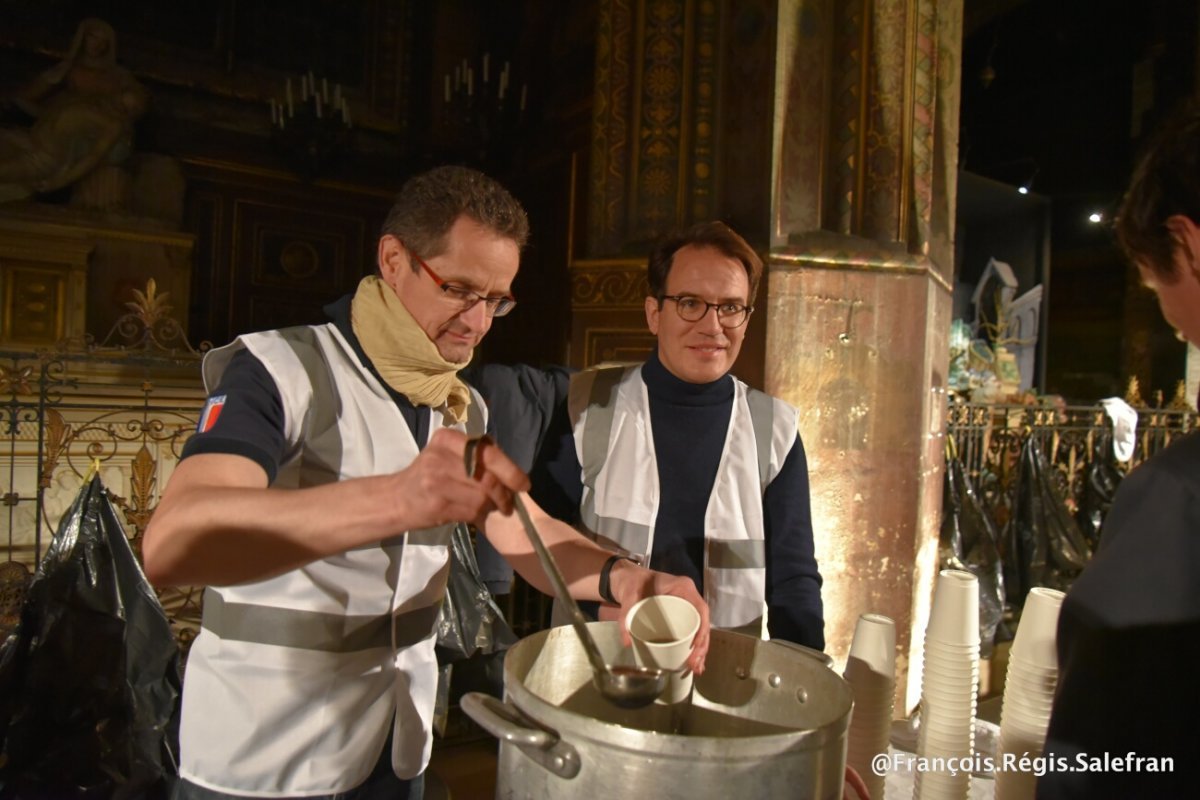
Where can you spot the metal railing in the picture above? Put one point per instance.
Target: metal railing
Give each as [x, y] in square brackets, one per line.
[988, 439]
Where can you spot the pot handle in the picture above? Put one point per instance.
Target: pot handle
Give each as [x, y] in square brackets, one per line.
[508, 724]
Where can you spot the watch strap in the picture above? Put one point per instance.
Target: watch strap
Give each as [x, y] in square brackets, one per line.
[606, 573]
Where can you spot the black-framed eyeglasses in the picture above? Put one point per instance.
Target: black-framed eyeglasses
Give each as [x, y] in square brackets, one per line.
[693, 309]
[497, 306]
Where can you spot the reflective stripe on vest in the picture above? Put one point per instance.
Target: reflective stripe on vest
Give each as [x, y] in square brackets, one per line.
[735, 552]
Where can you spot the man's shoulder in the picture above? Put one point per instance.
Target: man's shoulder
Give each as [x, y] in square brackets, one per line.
[1178, 464]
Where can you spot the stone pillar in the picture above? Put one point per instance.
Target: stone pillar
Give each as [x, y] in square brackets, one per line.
[860, 287]
[825, 131]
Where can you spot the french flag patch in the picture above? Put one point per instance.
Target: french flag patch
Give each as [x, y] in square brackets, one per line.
[212, 410]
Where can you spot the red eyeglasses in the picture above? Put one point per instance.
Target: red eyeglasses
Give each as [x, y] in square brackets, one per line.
[496, 306]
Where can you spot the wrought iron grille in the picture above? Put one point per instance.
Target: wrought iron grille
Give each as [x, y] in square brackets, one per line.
[988, 439]
[129, 412]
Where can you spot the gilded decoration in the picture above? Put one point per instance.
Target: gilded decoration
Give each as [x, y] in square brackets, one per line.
[127, 404]
[923, 117]
[947, 102]
[611, 284]
[610, 127]
[886, 127]
[845, 165]
[704, 113]
[655, 120]
[893, 64]
[659, 129]
[806, 49]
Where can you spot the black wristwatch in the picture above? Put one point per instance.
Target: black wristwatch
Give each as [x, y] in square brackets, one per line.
[605, 571]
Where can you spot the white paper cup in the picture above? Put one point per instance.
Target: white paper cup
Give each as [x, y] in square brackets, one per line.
[1037, 632]
[954, 617]
[871, 673]
[662, 628]
[874, 644]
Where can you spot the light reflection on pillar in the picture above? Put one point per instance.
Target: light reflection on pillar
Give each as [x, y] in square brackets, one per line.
[860, 350]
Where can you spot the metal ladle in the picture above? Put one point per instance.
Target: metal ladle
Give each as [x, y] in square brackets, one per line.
[624, 686]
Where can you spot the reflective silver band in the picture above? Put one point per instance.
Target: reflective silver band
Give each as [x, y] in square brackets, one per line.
[736, 553]
[762, 419]
[315, 630]
[597, 428]
[429, 537]
[321, 456]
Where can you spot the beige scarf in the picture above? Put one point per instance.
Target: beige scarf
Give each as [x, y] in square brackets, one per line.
[402, 353]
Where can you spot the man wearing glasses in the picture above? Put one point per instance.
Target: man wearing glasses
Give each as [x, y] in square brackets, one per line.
[316, 502]
[680, 466]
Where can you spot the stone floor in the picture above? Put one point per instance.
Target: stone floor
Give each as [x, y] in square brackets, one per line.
[464, 770]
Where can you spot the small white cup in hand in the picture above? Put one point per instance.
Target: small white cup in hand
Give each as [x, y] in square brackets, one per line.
[662, 628]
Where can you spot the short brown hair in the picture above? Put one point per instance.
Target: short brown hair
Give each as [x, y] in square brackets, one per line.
[429, 203]
[1166, 182]
[716, 235]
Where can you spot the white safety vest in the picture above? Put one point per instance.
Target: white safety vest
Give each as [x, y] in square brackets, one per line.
[610, 411]
[294, 681]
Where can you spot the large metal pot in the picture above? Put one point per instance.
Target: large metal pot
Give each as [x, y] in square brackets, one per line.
[765, 720]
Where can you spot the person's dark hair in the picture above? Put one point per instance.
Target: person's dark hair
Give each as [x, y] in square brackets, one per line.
[429, 203]
[716, 235]
[1166, 182]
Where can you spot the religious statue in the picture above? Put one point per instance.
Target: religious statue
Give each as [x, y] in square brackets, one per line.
[83, 108]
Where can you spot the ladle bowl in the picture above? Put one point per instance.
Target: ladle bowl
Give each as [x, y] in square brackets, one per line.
[624, 686]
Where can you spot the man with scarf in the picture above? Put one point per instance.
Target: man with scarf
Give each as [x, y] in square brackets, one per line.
[316, 502]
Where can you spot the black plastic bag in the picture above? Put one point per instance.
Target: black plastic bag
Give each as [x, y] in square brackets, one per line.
[469, 622]
[1101, 479]
[89, 681]
[1043, 545]
[970, 541]
[472, 634]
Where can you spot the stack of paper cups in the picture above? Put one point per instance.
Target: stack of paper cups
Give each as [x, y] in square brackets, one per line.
[871, 673]
[1029, 692]
[948, 687]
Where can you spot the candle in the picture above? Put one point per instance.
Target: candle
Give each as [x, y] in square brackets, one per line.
[503, 85]
[346, 112]
[447, 92]
[485, 67]
[289, 92]
[274, 113]
[470, 81]
[523, 90]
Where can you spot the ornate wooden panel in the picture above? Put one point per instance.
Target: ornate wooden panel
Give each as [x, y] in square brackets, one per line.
[276, 251]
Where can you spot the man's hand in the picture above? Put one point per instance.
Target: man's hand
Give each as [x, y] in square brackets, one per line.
[630, 583]
[436, 488]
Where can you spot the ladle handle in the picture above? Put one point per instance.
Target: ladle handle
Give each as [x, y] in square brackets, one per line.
[560, 588]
